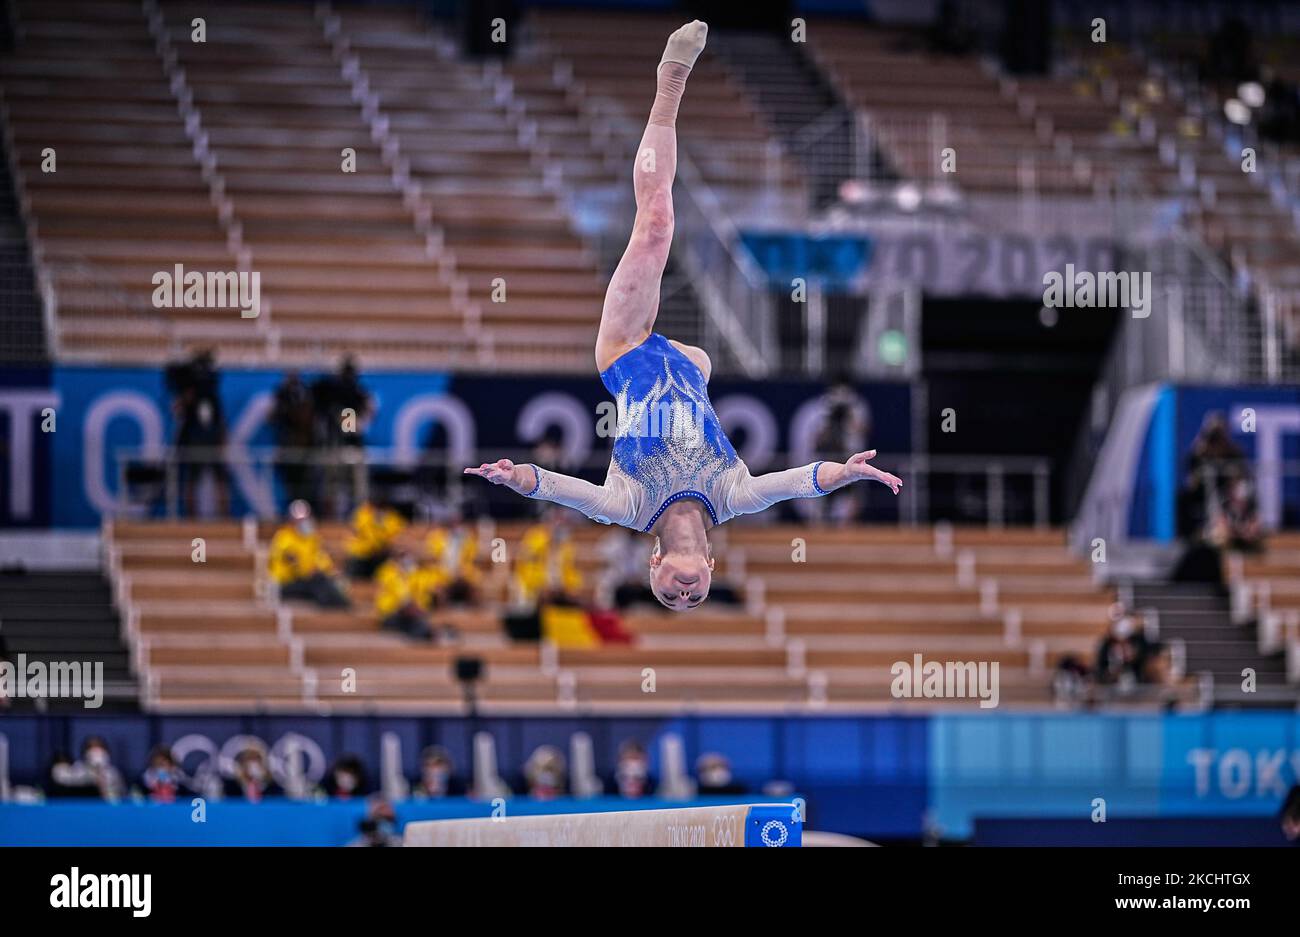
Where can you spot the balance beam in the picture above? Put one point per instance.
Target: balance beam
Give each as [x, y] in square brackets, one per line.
[739, 825]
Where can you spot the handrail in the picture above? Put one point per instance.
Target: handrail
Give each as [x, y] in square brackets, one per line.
[351, 469]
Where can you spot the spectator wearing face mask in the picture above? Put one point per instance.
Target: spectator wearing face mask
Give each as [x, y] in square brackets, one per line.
[714, 773]
[1121, 655]
[374, 530]
[546, 570]
[252, 779]
[403, 598]
[161, 780]
[632, 772]
[300, 564]
[96, 766]
[347, 779]
[546, 773]
[452, 557]
[437, 775]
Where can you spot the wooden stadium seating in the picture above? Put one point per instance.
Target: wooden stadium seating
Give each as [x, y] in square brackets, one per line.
[819, 634]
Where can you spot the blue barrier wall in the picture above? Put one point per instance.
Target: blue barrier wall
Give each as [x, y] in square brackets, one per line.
[1216, 764]
[879, 776]
[274, 822]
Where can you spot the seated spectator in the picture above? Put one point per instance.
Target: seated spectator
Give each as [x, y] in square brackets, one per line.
[545, 569]
[374, 530]
[161, 779]
[379, 826]
[69, 779]
[300, 564]
[252, 779]
[1236, 526]
[1070, 682]
[625, 580]
[545, 772]
[452, 559]
[632, 772]
[96, 767]
[1121, 655]
[1290, 815]
[403, 598]
[437, 775]
[1157, 668]
[713, 771]
[346, 779]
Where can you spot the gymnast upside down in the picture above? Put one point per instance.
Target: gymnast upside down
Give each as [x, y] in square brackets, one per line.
[684, 477]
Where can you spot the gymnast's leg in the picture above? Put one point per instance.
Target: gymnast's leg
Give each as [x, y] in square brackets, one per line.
[632, 300]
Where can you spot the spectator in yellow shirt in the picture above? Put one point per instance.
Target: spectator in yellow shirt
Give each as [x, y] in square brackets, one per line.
[299, 563]
[374, 528]
[451, 554]
[405, 596]
[545, 569]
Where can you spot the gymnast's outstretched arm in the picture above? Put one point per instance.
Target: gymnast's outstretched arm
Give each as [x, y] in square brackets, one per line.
[610, 503]
[753, 494]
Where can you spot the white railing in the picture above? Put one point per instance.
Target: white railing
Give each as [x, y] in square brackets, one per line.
[1016, 489]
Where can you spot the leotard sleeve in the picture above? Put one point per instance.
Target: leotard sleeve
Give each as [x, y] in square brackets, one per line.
[750, 494]
[613, 502]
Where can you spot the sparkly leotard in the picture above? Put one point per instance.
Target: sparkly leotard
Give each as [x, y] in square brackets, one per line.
[669, 445]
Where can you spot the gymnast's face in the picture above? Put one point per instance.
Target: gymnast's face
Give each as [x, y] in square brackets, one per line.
[681, 581]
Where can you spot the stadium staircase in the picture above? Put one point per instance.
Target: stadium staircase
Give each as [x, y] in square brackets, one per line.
[1199, 619]
[916, 103]
[20, 308]
[799, 106]
[66, 616]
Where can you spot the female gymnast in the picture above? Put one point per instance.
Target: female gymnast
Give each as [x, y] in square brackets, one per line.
[674, 473]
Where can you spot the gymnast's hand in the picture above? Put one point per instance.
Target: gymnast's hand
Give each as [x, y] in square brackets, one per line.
[501, 472]
[857, 468]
